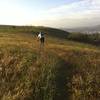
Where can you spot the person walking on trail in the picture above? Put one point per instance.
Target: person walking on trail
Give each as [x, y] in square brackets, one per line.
[41, 38]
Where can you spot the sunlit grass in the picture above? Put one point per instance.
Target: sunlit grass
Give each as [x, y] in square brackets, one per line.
[63, 69]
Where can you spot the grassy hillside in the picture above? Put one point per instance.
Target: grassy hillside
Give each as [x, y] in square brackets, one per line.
[33, 29]
[62, 70]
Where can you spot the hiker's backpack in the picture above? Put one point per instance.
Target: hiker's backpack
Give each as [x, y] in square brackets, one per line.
[42, 35]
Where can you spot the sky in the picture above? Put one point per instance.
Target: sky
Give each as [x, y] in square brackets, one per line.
[52, 13]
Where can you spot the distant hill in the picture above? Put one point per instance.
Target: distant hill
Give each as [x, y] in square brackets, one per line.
[34, 29]
[85, 29]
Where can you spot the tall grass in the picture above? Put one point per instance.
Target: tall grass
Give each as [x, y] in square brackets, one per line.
[62, 70]
[85, 75]
[26, 75]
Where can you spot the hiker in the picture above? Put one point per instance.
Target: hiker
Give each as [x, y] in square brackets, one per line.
[41, 38]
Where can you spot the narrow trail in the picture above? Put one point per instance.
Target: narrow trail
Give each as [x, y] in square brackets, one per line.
[61, 82]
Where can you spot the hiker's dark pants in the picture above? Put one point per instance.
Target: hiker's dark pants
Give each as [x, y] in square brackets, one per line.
[42, 40]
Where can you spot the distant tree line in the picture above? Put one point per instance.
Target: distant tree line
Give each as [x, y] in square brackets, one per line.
[86, 38]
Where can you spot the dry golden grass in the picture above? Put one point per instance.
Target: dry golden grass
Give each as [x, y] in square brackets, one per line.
[63, 70]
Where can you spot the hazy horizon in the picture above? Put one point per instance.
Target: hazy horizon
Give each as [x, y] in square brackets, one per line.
[51, 13]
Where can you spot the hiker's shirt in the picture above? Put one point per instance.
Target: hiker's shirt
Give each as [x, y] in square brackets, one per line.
[39, 36]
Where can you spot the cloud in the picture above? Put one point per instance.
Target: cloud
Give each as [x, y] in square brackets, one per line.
[80, 13]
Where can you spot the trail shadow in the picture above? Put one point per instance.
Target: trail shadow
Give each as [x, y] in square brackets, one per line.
[63, 76]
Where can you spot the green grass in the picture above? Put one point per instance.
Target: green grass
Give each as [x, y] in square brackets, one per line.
[63, 70]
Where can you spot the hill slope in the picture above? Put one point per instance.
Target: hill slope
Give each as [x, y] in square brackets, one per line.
[59, 71]
[91, 29]
[32, 29]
